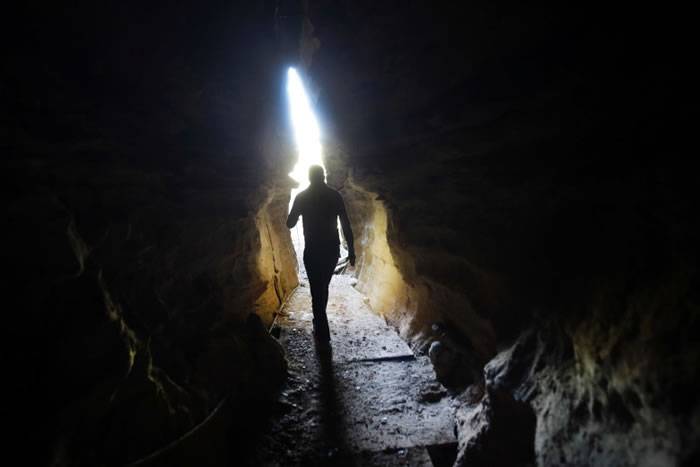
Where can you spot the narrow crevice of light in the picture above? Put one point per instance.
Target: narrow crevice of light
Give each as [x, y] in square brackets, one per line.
[307, 137]
[306, 132]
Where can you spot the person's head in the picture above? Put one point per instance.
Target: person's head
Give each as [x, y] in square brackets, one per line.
[316, 175]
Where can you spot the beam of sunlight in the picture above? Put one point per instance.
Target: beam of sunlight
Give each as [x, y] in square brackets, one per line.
[307, 137]
[306, 132]
[308, 143]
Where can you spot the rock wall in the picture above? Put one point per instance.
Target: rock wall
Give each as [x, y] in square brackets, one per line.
[393, 276]
[276, 258]
[527, 167]
[144, 191]
[129, 282]
[604, 391]
[378, 276]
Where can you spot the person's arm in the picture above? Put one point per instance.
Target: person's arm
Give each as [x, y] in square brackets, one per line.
[294, 214]
[347, 231]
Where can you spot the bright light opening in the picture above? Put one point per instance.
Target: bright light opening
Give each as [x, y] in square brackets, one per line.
[308, 143]
[306, 133]
[307, 137]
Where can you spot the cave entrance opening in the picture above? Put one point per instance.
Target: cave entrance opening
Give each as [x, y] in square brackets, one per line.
[307, 137]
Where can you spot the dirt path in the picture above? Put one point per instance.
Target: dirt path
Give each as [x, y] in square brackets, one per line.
[369, 402]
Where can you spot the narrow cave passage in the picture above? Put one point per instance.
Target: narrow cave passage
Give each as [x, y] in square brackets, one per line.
[518, 184]
[367, 399]
[369, 402]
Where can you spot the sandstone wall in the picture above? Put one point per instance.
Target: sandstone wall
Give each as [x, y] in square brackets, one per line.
[528, 165]
[144, 189]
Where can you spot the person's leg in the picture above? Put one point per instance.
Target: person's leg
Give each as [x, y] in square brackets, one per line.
[321, 316]
[326, 266]
[319, 295]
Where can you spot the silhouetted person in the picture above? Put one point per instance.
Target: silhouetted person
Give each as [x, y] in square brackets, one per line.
[320, 206]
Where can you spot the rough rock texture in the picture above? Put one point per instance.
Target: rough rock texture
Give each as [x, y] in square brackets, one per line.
[497, 430]
[523, 163]
[615, 411]
[144, 190]
[514, 173]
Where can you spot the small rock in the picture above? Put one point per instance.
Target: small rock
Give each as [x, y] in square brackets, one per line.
[431, 395]
[450, 366]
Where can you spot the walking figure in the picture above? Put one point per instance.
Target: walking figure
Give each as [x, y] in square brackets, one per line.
[320, 206]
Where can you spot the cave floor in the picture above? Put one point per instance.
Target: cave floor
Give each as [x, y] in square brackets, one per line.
[369, 401]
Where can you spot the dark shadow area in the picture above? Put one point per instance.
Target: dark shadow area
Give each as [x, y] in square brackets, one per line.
[250, 424]
[500, 432]
[443, 455]
[693, 459]
[334, 449]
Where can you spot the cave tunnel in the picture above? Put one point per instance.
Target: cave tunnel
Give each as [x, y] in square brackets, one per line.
[518, 179]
